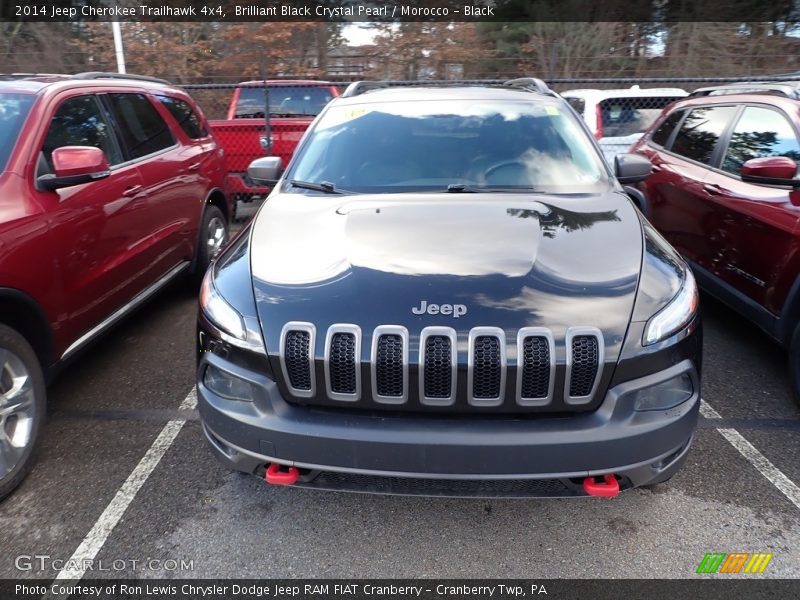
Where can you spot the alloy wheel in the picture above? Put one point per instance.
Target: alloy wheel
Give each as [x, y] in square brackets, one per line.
[17, 410]
[216, 236]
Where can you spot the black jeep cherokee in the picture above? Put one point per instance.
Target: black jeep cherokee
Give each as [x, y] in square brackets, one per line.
[448, 293]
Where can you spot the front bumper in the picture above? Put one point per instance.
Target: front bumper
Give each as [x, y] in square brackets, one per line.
[641, 448]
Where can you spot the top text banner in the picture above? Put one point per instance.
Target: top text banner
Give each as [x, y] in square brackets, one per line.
[635, 11]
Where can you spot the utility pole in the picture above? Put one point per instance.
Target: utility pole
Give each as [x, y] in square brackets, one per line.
[120, 53]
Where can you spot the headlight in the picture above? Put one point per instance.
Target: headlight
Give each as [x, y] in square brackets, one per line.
[665, 395]
[227, 385]
[219, 312]
[676, 315]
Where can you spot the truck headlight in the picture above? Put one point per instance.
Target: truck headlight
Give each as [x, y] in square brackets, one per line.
[218, 311]
[676, 315]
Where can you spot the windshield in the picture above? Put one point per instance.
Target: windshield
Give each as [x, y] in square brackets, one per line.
[283, 100]
[13, 110]
[451, 144]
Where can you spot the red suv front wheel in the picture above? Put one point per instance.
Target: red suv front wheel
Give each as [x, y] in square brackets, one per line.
[22, 408]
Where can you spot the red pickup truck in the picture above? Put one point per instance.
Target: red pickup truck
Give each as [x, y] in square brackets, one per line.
[251, 131]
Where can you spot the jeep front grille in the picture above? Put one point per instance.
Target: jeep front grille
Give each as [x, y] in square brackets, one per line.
[389, 359]
[535, 366]
[584, 358]
[343, 362]
[436, 374]
[297, 352]
[486, 364]
[438, 366]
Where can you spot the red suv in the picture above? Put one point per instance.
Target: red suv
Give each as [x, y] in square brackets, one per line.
[724, 192]
[110, 186]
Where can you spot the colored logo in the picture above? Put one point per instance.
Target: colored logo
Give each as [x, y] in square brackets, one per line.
[736, 562]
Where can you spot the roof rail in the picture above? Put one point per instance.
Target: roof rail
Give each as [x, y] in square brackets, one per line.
[13, 76]
[359, 87]
[524, 83]
[102, 75]
[529, 83]
[789, 89]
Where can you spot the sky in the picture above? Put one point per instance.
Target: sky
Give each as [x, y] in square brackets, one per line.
[357, 35]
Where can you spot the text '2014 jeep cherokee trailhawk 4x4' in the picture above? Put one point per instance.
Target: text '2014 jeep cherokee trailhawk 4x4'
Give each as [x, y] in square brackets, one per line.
[448, 293]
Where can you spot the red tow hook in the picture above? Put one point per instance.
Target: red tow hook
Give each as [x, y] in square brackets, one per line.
[276, 476]
[607, 487]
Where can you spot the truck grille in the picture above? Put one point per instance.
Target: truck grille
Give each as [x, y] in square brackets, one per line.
[438, 370]
[297, 341]
[583, 360]
[535, 368]
[486, 365]
[435, 372]
[486, 377]
[389, 366]
[342, 362]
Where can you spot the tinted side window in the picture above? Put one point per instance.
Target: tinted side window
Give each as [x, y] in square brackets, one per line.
[760, 132]
[189, 121]
[78, 122]
[628, 116]
[142, 129]
[701, 130]
[664, 131]
[579, 104]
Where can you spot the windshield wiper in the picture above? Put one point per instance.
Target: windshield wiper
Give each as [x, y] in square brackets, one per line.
[462, 188]
[323, 186]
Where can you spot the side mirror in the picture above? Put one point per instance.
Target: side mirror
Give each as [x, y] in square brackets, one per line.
[631, 168]
[265, 169]
[771, 170]
[74, 165]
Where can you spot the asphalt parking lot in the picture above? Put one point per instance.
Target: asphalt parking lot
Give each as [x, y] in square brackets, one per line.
[98, 492]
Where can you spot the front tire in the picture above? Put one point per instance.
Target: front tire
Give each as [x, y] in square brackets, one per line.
[22, 408]
[213, 237]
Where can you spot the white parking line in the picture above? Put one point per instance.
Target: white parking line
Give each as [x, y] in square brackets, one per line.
[774, 475]
[94, 540]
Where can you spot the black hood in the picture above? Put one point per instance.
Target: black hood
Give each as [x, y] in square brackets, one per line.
[510, 260]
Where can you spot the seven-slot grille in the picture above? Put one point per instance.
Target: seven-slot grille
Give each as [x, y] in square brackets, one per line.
[438, 365]
[584, 360]
[343, 362]
[535, 366]
[486, 377]
[584, 365]
[297, 354]
[389, 366]
[438, 383]
[486, 366]
[438, 362]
